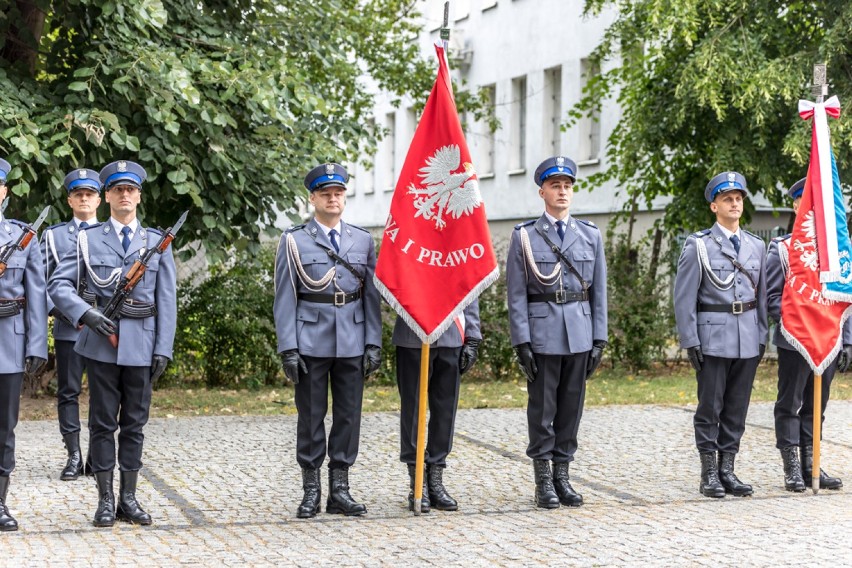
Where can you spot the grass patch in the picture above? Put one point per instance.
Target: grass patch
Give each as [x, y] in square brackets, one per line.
[665, 384]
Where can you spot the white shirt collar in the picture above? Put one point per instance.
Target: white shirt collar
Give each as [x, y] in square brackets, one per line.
[91, 222]
[326, 230]
[728, 233]
[553, 219]
[134, 224]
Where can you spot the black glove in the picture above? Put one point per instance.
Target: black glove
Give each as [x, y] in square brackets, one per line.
[98, 322]
[526, 360]
[595, 357]
[372, 359]
[760, 352]
[469, 353]
[158, 367]
[844, 360]
[33, 365]
[696, 357]
[292, 363]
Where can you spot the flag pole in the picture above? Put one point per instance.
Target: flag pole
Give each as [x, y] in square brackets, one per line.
[424, 360]
[820, 90]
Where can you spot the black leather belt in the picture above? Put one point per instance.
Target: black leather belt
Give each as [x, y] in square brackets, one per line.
[735, 308]
[13, 307]
[338, 298]
[560, 297]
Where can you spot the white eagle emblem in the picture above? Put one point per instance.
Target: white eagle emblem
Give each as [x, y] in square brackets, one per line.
[445, 191]
[809, 256]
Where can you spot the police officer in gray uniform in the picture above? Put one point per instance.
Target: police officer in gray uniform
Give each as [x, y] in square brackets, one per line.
[450, 356]
[794, 408]
[23, 327]
[328, 322]
[556, 286]
[84, 196]
[120, 379]
[720, 309]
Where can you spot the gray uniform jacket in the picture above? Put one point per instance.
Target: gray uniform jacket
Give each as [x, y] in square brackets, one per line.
[404, 337]
[322, 329]
[138, 339]
[64, 239]
[721, 334]
[23, 335]
[776, 276]
[551, 328]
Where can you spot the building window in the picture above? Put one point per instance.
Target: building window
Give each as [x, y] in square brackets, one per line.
[519, 123]
[590, 126]
[368, 184]
[485, 139]
[552, 128]
[389, 151]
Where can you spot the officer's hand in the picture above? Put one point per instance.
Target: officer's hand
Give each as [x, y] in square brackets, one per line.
[760, 351]
[372, 359]
[696, 357]
[98, 322]
[526, 361]
[33, 365]
[844, 361]
[292, 363]
[158, 367]
[595, 357]
[469, 353]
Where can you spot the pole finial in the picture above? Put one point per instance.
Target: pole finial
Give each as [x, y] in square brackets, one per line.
[820, 83]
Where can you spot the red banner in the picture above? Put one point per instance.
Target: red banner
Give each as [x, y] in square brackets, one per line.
[436, 255]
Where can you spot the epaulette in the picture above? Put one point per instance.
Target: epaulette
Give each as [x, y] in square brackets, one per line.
[525, 224]
[56, 226]
[782, 238]
[589, 224]
[752, 234]
[357, 227]
[702, 233]
[155, 231]
[16, 222]
[92, 226]
[295, 228]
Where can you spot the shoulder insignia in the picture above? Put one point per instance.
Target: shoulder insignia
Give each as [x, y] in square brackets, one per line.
[702, 233]
[751, 234]
[294, 228]
[589, 224]
[157, 232]
[16, 222]
[357, 227]
[782, 238]
[525, 224]
[56, 226]
[92, 226]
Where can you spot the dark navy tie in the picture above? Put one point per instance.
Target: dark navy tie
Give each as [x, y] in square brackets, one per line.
[560, 230]
[735, 240]
[83, 224]
[125, 240]
[331, 236]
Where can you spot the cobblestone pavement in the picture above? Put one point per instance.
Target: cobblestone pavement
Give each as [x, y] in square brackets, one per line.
[224, 490]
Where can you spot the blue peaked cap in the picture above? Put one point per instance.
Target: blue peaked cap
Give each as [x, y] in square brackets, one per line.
[5, 168]
[726, 181]
[82, 179]
[555, 166]
[326, 175]
[123, 171]
[797, 189]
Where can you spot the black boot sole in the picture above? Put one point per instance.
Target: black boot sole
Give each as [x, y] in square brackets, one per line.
[104, 524]
[9, 529]
[337, 510]
[70, 477]
[125, 518]
[715, 494]
[733, 493]
[308, 514]
[795, 489]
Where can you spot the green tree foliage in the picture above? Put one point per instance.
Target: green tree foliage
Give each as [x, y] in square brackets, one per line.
[226, 103]
[711, 85]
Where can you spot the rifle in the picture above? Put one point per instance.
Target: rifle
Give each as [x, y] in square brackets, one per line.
[23, 241]
[129, 281]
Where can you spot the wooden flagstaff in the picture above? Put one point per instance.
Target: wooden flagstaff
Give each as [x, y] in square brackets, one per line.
[424, 359]
[820, 91]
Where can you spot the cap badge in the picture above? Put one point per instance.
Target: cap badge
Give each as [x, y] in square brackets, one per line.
[122, 166]
[81, 174]
[560, 161]
[329, 169]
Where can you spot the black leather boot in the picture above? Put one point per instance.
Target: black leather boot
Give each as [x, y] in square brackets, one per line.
[310, 504]
[567, 495]
[545, 494]
[792, 470]
[87, 468]
[105, 515]
[729, 479]
[825, 480]
[710, 485]
[438, 496]
[74, 467]
[7, 521]
[129, 508]
[425, 504]
[339, 500]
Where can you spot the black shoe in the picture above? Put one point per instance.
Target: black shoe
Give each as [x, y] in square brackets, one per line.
[87, 467]
[310, 504]
[7, 521]
[545, 493]
[74, 467]
[792, 470]
[129, 509]
[339, 500]
[567, 495]
[105, 514]
[438, 496]
[710, 485]
[825, 480]
[729, 480]
[425, 504]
